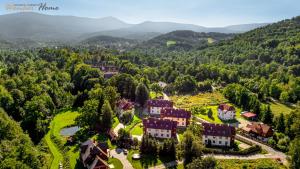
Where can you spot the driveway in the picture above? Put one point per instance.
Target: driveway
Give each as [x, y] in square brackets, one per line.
[118, 153]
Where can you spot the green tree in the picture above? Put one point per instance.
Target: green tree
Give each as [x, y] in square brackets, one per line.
[268, 115]
[295, 154]
[280, 125]
[209, 113]
[141, 94]
[89, 117]
[205, 163]
[107, 115]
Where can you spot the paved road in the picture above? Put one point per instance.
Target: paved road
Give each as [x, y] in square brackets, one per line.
[118, 153]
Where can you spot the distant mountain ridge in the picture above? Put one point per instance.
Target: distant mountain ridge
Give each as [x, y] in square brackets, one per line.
[54, 28]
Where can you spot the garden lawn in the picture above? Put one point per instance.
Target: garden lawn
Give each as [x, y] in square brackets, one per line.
[215, 118]
[116, 162]
[171, 42]
[134, 122]
[210, 40]
[59, 122]
[201, 99]
[278, 108]
[137, 129]
[147, 160]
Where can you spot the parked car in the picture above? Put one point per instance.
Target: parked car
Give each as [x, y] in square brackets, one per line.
[125, 151]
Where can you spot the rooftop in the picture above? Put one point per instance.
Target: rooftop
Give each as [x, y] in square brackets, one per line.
[171, 112]
[160, 103]
[158, 123]
[211, 129]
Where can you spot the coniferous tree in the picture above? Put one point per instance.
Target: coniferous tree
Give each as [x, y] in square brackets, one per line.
[107, 115]
[267, 116]
[280, 125]
[141, 94]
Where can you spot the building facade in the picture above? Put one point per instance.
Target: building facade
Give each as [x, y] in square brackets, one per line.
[160, 128]
[155, 106]
[181, 116]
[218, 134]
[226, 112]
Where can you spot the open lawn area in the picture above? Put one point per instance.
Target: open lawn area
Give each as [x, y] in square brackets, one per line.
[188, 101]
[278, 108]
[116, 163]
[246, 164]
[210, 40]
[137, 129]
[147, 160]
[171, 42]
[215, 118]
[133, 123]
[59, 122]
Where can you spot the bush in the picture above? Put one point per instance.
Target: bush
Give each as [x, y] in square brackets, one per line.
[247, 151]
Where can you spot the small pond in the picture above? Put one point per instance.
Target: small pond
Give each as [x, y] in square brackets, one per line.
[69, 131]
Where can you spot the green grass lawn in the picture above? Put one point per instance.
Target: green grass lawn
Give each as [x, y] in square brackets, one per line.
[116, 162]
[137, 129]
[154, 95]
[135, 121]
[116, 122]
[147, 160]
[201, 99]
[247, 164]
[215, 118]
[171, 42]
[278, 108]
[59, 122]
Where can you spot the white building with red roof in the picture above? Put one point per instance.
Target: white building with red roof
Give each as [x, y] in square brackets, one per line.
[181, 116]
[218, 134]
[155, 106]
[226, 112]
[160, 128]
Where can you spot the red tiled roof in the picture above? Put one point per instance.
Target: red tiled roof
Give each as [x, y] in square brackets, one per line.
[157, 123]
[260, 129]
[249, 115]
[160, 103]
[226, 107]
[125, 104]
[211, 129]
[178, 113]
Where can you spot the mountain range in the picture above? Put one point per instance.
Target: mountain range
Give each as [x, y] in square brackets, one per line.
[53, 28]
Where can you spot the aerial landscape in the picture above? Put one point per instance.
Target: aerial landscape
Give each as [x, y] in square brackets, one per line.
[199, 84]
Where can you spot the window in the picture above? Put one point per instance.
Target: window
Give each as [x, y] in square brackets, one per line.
[162, 135]
[214, 141]
[167, 135]
[205, 141]
[226, 143]
[220, 142]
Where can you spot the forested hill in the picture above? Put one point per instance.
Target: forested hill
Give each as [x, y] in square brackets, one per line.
[278, 42]
[183, 40]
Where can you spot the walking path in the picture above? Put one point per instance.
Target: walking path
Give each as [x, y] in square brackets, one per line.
[119, 154]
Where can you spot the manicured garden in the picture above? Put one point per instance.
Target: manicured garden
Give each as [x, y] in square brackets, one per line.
[137, 129]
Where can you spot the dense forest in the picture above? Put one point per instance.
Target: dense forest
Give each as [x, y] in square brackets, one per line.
[250, 69]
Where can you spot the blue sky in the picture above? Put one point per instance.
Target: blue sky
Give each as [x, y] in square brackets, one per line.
[200, 12]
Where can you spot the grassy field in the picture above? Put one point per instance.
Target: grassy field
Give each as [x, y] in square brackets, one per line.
[188, 101]
[137, 129]
[116, 162]
[171, 42]
[59, 122]
[278, 108]
[147, 160]
[246, 164]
